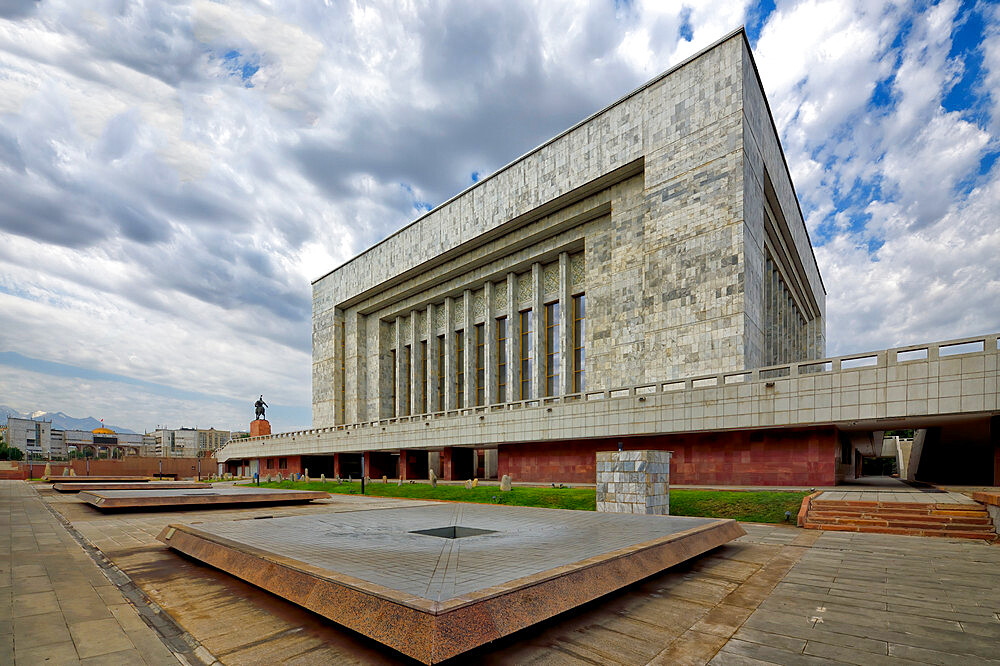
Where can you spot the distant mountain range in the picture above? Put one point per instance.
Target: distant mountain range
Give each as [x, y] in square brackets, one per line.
[60, 421]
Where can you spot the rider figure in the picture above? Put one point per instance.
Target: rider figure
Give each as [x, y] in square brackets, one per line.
[259, 407]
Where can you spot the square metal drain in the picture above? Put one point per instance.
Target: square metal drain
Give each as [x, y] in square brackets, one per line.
[453, 532]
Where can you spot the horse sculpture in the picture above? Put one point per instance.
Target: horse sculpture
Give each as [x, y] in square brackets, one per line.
[259, 408]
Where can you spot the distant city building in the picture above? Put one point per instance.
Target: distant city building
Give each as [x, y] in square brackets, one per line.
[188, 442]
[40, 439]
[32, 437]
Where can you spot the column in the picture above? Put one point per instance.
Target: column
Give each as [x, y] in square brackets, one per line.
[470, 350]
[490, 356]
[432, 359]
[357, 404]
[565, 327]
[538, 333]
[513, 340]
[399, 409]
[450, 388]
[414, 378]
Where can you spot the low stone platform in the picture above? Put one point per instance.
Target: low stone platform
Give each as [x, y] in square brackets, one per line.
[114, 485]
[94, 479]
[180, 497]
[911, 513]
[435, 581]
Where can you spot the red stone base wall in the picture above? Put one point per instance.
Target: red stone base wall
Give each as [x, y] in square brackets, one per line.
[182, 468]
[260, 428]
[274, 464]
[758, 458]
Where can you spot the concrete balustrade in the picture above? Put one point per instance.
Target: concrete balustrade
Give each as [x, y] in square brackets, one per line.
[914, 386]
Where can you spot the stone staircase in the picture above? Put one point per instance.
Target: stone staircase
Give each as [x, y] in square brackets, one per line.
[961, 521]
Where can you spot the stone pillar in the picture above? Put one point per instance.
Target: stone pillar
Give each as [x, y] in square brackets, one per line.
[491, 463]
[432, 359]
[398, 409]
[513, 340]
[470, 349]
[538, 332]
[633, 482]
[414, 380]
[336, 464]
[450, 392]
[490, 352]
[565, 327]
[357, 352]
[446, 466]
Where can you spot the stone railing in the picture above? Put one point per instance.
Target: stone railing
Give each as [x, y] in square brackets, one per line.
[983, 344]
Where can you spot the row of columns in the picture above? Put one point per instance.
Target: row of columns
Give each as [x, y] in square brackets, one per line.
[408, 389]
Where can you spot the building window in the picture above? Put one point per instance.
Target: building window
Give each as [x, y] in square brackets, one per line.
[423, 376]
[579, 335]
[552, 349]
[442, 380]
[460, 368]
[480, 364]
[502, 359]
[343, 373]
[407, 379]
[526, 355]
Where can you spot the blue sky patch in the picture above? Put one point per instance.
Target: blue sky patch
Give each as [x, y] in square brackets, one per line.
[242, 67]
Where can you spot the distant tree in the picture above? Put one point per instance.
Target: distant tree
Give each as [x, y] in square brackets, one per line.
[10, 453]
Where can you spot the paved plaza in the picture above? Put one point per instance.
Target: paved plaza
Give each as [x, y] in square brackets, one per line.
[778, 595]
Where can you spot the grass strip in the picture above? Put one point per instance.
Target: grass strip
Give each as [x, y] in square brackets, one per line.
[756, 506]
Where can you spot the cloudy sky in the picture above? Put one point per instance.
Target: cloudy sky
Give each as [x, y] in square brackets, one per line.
[174, 174]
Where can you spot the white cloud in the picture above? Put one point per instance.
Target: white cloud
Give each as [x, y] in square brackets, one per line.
[162, 220]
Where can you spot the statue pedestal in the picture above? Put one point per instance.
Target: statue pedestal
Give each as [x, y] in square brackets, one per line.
[260, 427]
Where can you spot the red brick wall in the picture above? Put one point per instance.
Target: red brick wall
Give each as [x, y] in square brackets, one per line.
[292, 465]
[133, 466]
[760, 458]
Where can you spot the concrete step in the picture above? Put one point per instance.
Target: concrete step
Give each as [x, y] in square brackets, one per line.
[972, 519]
[906, 523]
[956, 534]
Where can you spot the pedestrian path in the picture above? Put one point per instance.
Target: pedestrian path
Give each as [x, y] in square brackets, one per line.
[56, 605]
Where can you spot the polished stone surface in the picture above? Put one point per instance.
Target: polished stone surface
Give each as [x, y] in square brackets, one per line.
[432, 598]
[123, 499]
[112, 485]
[379, 546]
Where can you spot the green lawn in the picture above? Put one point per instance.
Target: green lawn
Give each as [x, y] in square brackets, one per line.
[759, 507]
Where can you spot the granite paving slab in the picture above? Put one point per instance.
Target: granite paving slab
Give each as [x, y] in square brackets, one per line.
[114, 485]
[435, 581]
[92, 479]
[181, 497]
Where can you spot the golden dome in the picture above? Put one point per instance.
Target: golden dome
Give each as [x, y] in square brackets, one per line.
[103, 431]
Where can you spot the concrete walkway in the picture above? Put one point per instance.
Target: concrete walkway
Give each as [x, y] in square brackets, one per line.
[56, 605]
[779, 595]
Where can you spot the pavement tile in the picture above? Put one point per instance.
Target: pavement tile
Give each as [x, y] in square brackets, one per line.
[55, 654]
[770, 653]
[99, 637]
[692, 648]
[723, 620]
[123, 658]
[45, 629]
[847, 655]
[35, 604]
